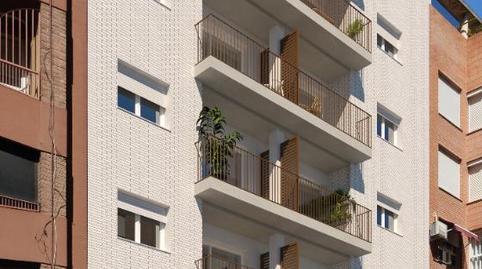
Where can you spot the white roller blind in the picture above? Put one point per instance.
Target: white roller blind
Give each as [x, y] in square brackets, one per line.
[475, 182]
[448, 102]
[475, 112]
[448, 174]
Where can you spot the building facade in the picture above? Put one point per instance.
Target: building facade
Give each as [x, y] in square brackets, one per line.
[331, 101]
[35, 150]
[455, 151]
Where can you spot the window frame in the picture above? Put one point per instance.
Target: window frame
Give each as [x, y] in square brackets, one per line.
[383, 130]
[452, 86]
[475, 254]
[477, 95]
[382, 45]
[383, 217]
[138, 101]
[449, 155]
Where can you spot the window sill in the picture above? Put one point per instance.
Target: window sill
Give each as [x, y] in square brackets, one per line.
[163, 3]
[143, 245]
[390, 231]
[141, 118]
[474, 131]
[393, 58]
[451, 195]
[390, 143]
[451, 123]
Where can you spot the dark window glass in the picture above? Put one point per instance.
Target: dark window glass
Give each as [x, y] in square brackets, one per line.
[126, 224]
[18, 171]
[389, 220]
[389, 132]
[150, 232]
[9, 264]
[379, 125]
[379, 215]
[126, 100]
[379, 41]
[390, 49]
[149, 111]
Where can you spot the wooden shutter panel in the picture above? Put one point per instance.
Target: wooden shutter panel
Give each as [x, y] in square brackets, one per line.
[264, 174]
[290, 257]
[289, 65]
[264, 76]
[264, 261]
[289, 173]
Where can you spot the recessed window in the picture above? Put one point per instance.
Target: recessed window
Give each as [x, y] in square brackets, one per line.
[126, 224]
[140, 106]
[475, 255]
[18, 171]
[126, 100]
[449, 173]
[141, 221]
[386, 129]
[475, 182]
[386, 219]
[475, 111]
[387, 47]
[449, 101]
[222, 258]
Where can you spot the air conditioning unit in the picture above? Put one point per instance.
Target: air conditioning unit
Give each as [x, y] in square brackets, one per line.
[445, 255]
[438, 230]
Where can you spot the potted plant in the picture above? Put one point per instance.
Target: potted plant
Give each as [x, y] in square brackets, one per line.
[216, 144]
[354, 29]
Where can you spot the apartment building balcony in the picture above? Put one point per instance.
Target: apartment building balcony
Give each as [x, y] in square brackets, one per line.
[213, 262]
[249, 75]
[19, 50]
[335, 35]
[263, 197]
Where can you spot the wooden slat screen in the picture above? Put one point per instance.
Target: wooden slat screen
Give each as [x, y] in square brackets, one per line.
[264, 174]
[264, 261]
[290, 257]
[289, 64]
[289, 173]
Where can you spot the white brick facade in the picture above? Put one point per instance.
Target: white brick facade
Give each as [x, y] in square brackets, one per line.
[126, 152]
[132, 154]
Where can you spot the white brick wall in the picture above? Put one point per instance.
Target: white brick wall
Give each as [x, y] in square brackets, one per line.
[129, 153]
[399, 174]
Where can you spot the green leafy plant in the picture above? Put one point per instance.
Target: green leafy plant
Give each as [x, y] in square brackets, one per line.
[354, 28]
[333, 209]
[217, 145]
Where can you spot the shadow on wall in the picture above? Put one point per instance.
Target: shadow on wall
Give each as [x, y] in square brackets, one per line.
[356, 175]
[353, 263]
[357, 89]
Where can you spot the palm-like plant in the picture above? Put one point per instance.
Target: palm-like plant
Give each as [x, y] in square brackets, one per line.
[216, 143]
[354, 28]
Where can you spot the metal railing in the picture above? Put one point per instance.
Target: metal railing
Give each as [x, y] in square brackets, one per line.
[19, 50]
[10, 202]
[259, 176]
[222, 41]
[213, 262]
[345, 17]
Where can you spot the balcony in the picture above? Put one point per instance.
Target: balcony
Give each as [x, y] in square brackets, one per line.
[212, 262]
[238, 68]
[19, 51]
[336, 37]
[256, 191]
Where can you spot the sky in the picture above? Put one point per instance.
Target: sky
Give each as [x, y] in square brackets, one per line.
[476, 5]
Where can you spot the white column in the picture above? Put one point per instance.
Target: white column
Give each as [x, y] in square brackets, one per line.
[464, 28]
[276, 137]
[275, 35]
[276, 242]
[137, 229]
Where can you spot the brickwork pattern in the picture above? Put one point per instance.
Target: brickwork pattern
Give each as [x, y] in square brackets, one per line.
[45, 182]
[128, 153]
[58, 53]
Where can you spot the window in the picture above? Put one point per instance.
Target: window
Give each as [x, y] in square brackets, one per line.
[475, 254]
[475, 111]
[475, 182]
[386, 219]
[141, 221]
[126, 100]
[18, 171]
[448, 173]
[10, 264]
[386, 129]
[387, 47]
[140, 106]
[449, 101]
[222, 258]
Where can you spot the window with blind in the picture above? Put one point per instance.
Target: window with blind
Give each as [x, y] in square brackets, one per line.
[449, 101]
[475, 182]
[475, 112]
[448, 173]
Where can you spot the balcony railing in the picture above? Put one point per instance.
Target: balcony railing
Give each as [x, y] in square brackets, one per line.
[345, 17]
[222, 41]
[19, 51]
[10, 202]
[259, 176]
[212, 262]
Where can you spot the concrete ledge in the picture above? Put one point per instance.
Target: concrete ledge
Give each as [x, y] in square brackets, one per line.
[280, 218]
